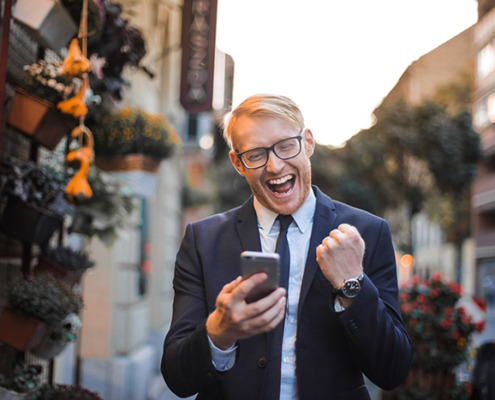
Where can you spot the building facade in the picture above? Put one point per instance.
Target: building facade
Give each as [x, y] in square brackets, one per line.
[483, 196]
[420, 82]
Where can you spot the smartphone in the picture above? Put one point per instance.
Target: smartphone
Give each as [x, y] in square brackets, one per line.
[256, 261]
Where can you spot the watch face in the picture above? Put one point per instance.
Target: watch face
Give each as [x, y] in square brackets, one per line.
[351, 288]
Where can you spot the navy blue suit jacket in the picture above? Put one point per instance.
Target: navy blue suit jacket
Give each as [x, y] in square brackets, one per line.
[333, 349]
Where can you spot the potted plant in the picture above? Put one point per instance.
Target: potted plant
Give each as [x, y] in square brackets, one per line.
[95, 17]
[129, 138]
[33, 110]
[64, 263]
[113, 44]
[440, 331]
[109, 209]
[66, 392]
[20, 382]
[53, 304]
[34, 201]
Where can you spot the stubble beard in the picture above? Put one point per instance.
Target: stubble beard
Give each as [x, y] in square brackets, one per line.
[259, 190]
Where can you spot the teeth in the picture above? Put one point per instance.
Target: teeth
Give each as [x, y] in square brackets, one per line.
[279, 181]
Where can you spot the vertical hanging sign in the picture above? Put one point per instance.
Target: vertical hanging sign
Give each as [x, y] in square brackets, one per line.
[198, 54]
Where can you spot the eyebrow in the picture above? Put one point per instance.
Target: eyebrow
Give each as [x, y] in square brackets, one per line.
[300, 133]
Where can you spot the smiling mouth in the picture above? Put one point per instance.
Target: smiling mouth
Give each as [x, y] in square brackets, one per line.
[283, 184]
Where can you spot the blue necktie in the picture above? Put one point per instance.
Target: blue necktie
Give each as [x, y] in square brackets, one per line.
[271, 389]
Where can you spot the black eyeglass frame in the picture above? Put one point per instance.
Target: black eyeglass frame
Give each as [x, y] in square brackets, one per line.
[272, 148]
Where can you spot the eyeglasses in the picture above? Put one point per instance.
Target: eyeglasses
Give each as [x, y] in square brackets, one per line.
[284, 149]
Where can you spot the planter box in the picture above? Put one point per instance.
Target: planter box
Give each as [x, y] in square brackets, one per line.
[19, 330]
[29, 224]
[137, 170]
[38, 119]
[48, 21]
[48, 348]
[130, 162]
[45, 265]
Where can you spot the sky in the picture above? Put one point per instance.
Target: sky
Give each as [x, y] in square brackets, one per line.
[337, 59]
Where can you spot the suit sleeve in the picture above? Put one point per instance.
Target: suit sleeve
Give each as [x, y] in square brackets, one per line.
[373, 323]
[186, 362]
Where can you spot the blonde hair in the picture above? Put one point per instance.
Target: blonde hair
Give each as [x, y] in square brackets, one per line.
[263, 105]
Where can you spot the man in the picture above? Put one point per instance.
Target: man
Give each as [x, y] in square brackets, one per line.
[340, 316]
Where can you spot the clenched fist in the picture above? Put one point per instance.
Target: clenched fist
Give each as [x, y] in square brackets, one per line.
[340, 255]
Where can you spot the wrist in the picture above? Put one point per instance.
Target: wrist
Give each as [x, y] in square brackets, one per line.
[344, 303]
[219, 339]
[350, 288]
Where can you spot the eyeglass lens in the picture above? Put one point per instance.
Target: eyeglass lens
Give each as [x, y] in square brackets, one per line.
[285, 149]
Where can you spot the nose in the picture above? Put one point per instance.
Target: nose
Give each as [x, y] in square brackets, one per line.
[274, 164]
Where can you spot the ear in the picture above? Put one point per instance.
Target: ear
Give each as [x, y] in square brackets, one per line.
[237, 163]
[309, 142]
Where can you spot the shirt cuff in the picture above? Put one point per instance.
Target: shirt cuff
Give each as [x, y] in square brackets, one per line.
[222, 360]
[337, 305]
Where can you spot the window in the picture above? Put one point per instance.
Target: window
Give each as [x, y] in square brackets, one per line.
[486, 60]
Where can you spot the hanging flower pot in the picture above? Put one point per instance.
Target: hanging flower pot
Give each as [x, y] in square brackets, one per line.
[19, 330]
[28, 223]
[126, 163]
[38, 119]
[137, 170]
[131, 139]
[48, 20]
[45, 265]
[33, 198]
[40, 300]
[64, 263]
[48, 347]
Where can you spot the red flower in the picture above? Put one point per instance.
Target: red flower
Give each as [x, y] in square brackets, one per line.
[436, 277]
[468, 387]
[466, 319]
[422, 299]
[456, 288]
[480, 326]
[446, 323]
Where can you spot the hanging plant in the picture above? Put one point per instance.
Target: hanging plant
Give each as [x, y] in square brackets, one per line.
[133, 131]
[22, 378]
[66, 392]
[31, 184]
[69, 258]
[109, 210]
[45, 79]
[113, 43]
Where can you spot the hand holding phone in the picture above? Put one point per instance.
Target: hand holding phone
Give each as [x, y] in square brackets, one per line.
[252, 262]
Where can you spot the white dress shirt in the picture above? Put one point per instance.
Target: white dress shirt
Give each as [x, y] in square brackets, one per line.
[298, 237]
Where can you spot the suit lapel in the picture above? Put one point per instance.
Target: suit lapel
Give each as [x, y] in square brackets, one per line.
[323, 223]
[247, 227]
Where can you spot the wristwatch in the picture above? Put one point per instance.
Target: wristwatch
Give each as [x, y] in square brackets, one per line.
[351, 287]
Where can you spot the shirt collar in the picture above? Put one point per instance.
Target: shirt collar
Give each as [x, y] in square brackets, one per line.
[303, 216]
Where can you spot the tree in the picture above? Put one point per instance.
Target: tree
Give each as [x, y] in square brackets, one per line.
[411, 155]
